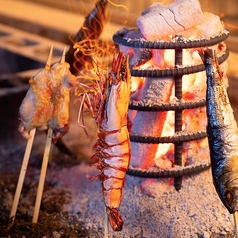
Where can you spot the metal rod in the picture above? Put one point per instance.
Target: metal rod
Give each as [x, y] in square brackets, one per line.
[178, 118]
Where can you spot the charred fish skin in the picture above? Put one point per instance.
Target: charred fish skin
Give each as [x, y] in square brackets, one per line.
[222, 134]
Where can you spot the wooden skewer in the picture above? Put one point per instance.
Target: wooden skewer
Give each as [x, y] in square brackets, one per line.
[106, 227]
[42, 175]
[21, 177]
[236, 222]
[45, 157]
[62, 61]
[49, 60]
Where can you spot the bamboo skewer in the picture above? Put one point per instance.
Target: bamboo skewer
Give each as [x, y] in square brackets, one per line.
[46, 154]
[21, 177]
[45, 157]
[42, 176]
[236, 223]
[106, 227]
[26, 159]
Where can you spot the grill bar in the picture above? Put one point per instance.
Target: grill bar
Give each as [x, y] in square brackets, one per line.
[178, 117]
[177, 44]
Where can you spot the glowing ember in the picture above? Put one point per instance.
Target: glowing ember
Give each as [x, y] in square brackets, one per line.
[159, 91]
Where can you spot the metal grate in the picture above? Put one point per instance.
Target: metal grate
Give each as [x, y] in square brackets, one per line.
[178, 44]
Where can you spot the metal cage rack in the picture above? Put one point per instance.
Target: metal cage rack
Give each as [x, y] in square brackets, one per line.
[177, 44]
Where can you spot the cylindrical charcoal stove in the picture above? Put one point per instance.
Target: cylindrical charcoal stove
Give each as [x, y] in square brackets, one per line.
[177, 44]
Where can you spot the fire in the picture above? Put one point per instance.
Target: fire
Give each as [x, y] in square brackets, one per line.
[194, 88]
[161, 124]
[161, 91]
[163, 157]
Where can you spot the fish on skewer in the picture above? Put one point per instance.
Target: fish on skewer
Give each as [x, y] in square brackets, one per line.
[222, 133]
[45, 106]
[46, 103]
[109, 103]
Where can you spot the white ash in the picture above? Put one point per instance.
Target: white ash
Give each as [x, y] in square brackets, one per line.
[154, 210]
[143, 154]
[211, 27]
[137, 56]
[150, 208]
[159, 89]
[160, 21]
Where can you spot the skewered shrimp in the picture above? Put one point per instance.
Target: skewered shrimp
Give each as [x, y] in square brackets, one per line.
[222, 134]
[113, 144]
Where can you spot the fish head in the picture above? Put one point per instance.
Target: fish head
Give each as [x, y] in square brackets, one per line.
[229, 197]
[227, 184]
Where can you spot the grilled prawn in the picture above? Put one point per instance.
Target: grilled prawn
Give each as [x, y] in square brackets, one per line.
[113, 145]
[112, 148]
[222, 134]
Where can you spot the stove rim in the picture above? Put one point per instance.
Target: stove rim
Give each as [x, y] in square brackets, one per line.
[179, 42]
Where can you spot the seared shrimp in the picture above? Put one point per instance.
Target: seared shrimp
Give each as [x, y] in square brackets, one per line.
[110, 107]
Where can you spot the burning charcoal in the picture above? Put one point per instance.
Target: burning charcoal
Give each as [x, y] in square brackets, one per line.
[162, 21]
[150, 123]
[211, 26]
[152, 7]
[137, 56]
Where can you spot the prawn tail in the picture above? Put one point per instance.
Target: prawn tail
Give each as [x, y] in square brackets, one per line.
[114, 218]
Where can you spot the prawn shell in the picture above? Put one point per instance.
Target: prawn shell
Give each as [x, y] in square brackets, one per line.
[120, 162]
[90, 31]
[114, 137]
[114, 173]
[113, 144]
[112, 197]
[113, 183]
[118, 150]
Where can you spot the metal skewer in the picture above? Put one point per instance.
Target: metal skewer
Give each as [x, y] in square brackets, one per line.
[21, 177]
[42, 175]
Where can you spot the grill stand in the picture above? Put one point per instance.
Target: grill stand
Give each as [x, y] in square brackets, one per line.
[178, 44]
[178, 117]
